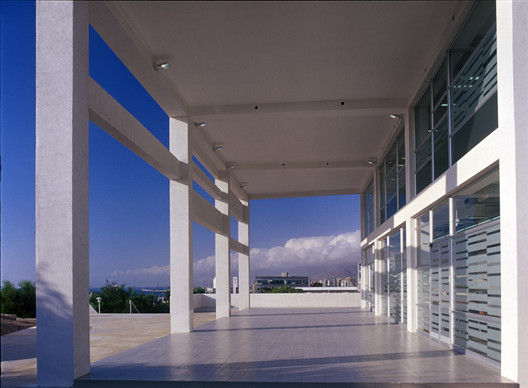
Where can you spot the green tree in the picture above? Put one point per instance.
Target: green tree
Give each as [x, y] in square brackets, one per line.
[317, 284]
[20, 301]
[28, 299]
[286, 290]
[198, 290]
[9, 298]
[114, 296]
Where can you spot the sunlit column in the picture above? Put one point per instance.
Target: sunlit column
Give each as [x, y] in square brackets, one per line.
[181, 236]
[61, 188]
[222, 257]
[512, 83]
[412, 279]
[244, 264]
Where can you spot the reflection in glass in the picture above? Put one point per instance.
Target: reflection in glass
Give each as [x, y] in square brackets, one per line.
[424, 239]
[478, 204]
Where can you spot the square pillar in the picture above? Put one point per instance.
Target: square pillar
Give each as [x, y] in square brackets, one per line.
[222, 256]
[412, 278]
[181, 233]
[512, 83]
[61, 192]
[244, 264]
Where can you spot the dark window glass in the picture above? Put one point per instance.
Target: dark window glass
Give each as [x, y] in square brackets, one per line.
[424, 239]
[382, 186]
[401, 189]
[441, 151]
[478, 204]
[480, 125]
[382, 215]
[441, 221]
[401, 151]
[423, 154]
[440, 83]
[392, 186]
[481, 20]
[392, 207]
[440, 111]
[422, 118]
[423, 177]
[390, 159]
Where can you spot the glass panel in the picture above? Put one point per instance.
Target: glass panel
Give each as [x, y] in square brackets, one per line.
[382, 185]
[401, 150]
[394, 244]
[395, 286]
[401, 189]
[440, 83]
[478, 335]
[422, 118]
[480, 21]
[424, 239]
[440, 112]
[423, 177]
[391, 185]
[477, 272]
[368, 209]
[390, 159]
[441, 151]
[392, 207]
[480, 125]
[423, 154]
[478, 204]
[441, 221]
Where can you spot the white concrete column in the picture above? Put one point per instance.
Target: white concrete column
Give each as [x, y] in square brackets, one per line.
[181, 236]
[412, 279]
[512, 62]
[244, 264]
[223, 257]
[61, 188]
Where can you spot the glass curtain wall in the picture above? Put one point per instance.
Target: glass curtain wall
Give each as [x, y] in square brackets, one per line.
[459, 107]
[370, 278]
[368, 209]
[391, 176]
[459, 293]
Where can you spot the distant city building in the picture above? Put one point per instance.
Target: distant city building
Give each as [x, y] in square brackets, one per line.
[266, 283]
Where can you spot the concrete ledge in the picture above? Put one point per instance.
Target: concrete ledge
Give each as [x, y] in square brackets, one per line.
[352, 299]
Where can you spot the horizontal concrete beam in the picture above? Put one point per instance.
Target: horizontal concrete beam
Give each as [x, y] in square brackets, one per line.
[237, 209]
[109, 115]
[357, 107]
[108, 21]
[203, 151]
[208, 216]
[237, 246]
[200, 177]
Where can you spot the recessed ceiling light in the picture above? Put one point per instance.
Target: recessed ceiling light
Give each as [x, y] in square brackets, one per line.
[161, 66]
[395, 116]
[243, 185]
[231, 167]
[372, 162]
[202, 124]
[218, 148]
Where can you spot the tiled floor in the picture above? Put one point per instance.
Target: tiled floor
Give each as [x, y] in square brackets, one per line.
[299, 347]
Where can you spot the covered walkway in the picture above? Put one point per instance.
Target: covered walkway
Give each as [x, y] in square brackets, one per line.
[293, 347]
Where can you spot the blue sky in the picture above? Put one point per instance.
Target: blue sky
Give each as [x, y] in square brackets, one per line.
[129, 200]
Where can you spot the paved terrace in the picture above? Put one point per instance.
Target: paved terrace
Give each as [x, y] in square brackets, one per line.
[322, 347]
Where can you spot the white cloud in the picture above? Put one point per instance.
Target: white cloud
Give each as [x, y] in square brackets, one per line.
[306, 254]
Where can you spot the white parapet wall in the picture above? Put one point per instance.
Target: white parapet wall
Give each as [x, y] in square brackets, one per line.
[345, 299]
